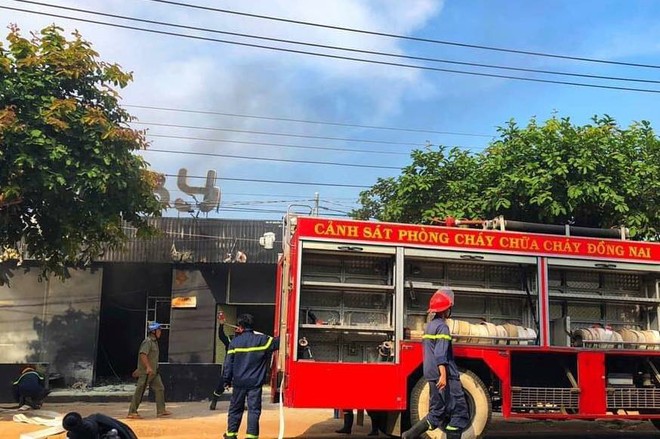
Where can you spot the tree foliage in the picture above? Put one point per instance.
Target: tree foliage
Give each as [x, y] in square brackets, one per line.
[69, 174]
[596, 175]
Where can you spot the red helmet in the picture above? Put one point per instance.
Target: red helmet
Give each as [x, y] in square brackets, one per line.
[442, 300]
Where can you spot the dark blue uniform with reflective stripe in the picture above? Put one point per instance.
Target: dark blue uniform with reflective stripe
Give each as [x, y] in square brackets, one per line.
[245, 368]
[31, 384]
[451, 401]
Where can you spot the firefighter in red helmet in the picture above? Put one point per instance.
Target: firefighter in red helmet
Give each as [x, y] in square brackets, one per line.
[447, 400]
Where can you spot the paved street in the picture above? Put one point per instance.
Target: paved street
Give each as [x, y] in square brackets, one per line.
[194, 420]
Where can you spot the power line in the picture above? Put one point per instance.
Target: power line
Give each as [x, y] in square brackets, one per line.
[269, 211]
[330, 201]
[270, 133]
[243, 194]
[409, 38]
[281, 145]
[297, 197]
[316, 122]
[327, 209]
[254, 180]
[257, 202]
[346, 58]
[346, 49]
[267, 159]
[232, 198]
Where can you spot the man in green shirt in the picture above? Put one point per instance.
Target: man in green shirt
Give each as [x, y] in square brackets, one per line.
[147, 374]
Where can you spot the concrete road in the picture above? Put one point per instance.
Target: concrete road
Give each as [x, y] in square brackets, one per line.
[193, 420]
[501, 429]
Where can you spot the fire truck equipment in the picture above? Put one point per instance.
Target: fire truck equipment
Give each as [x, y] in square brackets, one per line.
[546, 324]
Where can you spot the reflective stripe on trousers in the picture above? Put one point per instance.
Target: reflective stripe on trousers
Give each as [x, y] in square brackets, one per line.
[239, 397]
[450, 404]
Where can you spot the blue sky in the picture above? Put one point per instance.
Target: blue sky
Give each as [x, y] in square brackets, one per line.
[189, 74]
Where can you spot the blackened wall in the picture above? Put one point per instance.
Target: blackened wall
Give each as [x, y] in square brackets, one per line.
[124, 313]
[51, 321]
[252, 284]
[192, 334]
[193, 331]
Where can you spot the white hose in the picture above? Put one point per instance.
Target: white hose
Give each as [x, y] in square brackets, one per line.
[281, 432]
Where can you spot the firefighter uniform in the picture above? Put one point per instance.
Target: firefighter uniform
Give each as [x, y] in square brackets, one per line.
[245, 368]
[450, 401]
[30, 388]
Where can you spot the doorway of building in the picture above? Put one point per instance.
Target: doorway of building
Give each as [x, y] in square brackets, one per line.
[159, 309]
[131, 294]
[230, 316]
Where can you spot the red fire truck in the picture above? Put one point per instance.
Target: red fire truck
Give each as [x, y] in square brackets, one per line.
[545, 325]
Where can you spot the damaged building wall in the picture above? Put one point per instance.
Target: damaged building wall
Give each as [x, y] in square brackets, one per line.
[51, 321]
[243, 287]
[192, 330]
[59, 322]
[126, 289]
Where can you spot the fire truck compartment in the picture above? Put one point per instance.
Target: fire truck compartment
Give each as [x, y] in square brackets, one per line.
[606, 307]
[544, 383]
[546, 327]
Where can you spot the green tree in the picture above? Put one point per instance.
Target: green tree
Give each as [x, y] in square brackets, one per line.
[436, 181]
[69, 174]
[596, 175]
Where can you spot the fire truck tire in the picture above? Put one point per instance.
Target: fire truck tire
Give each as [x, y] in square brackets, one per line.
[656, 423]
[479, 405]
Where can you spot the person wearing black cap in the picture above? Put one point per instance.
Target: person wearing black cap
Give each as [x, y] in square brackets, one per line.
[96, 426]
[147, 374]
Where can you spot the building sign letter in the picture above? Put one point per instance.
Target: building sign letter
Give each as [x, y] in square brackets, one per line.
[210, 191]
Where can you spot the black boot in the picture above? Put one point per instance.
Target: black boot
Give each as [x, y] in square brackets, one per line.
[348, 423]
[417, 430]
[454, 434]
[214, 402]
[377, 421]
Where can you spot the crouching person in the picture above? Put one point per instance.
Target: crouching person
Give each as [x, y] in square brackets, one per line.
[245, 368]
[97, 426]
[30, 388]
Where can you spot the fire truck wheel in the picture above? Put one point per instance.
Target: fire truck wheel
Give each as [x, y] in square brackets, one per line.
[478, 401]
[656, 423]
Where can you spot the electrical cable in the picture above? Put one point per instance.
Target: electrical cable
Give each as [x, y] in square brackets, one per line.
[270, 133]
[254, 180]
[328, 209]
[279, 145]
[269, 211]
[315, 122]
[338, 57]
[302, 197]
[409, 38]
[345, 49]
[266, 159]
[107, 359]
[239, 203]
[253, 202]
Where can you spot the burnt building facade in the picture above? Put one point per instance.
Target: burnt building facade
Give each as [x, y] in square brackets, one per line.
[88, 328]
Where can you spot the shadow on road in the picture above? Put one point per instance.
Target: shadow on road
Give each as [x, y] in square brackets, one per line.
[531, 429]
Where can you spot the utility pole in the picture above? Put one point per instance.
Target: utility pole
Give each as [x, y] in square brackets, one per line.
[316, 204]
